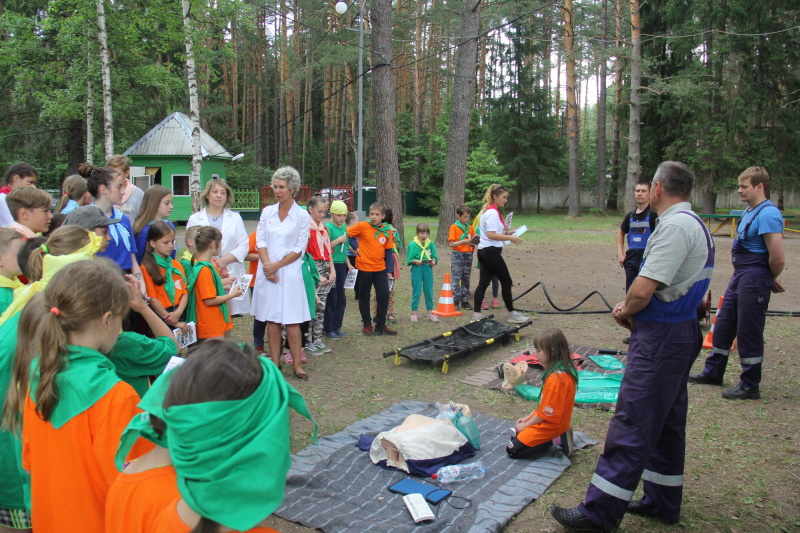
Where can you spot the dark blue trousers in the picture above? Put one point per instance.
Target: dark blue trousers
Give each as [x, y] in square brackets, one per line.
[742, 317]
[337, 302]
[646, 438]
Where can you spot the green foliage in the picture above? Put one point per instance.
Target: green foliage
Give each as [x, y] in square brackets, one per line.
[482, 172]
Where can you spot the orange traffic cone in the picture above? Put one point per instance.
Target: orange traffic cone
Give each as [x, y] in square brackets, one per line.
[446, 307]
[708, 341]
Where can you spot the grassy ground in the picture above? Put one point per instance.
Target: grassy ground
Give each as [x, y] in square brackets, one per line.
[742, 458]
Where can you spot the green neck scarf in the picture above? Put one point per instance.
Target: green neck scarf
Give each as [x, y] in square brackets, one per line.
[382, 228]
[555, 368]
[140, 426]
[424, 247]
[191, 309]
[464, 228]
[85, 376]
[231, 457]
[169, 273]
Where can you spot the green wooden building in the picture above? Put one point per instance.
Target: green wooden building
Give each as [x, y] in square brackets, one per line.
[164, 157]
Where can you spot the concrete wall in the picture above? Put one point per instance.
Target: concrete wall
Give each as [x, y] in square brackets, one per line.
[556, 198]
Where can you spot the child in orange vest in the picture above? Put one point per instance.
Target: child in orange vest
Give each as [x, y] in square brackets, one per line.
[550, 423]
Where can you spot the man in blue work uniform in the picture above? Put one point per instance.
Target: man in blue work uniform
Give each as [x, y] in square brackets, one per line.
[638, 225]
[647, 436]
[758, 259]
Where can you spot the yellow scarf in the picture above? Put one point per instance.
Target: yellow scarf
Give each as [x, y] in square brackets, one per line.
[7, 283]
[50, 265]
[424, 248]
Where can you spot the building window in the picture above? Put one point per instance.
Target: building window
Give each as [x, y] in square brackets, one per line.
[180, 184]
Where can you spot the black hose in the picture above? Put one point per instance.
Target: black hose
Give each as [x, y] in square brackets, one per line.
[569, 310]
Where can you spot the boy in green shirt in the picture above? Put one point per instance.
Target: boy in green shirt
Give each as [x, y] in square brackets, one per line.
[334, 311]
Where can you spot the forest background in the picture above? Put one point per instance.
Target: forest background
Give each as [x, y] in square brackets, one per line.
[715, 84]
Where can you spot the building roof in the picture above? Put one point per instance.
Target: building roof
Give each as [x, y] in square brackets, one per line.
[173, 136]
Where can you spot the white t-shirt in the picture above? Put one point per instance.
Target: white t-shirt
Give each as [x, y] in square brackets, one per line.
[490, 221]
[5, 215]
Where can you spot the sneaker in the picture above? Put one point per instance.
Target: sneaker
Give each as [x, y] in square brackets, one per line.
[287, 358]
[303, 358]
[741, 392]
[385, 330]
[368, 331]
[495, 303]
[391, 319]
[341, 334]
[313, 349]
[515, 317]
[414, 317]
[484, 305]
[332, 335]
[433, 318]
[466, 306]
[323, 347]
[477, 316]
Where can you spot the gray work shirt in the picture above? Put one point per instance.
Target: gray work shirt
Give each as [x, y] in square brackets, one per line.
[676, 253]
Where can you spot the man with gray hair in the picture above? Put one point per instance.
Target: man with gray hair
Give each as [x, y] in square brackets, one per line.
[647, 436]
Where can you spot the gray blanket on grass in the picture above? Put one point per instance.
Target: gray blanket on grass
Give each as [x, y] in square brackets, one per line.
[335, 487]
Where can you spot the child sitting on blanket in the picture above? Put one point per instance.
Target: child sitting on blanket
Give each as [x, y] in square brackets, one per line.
[550, 423]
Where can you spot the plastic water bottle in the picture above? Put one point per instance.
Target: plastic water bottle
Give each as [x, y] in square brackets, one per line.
[451, 473]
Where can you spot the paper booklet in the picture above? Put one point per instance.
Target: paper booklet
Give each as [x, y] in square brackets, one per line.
[350, 280]
[185, 339]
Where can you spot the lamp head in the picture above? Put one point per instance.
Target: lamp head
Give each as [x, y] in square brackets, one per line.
[341, 7]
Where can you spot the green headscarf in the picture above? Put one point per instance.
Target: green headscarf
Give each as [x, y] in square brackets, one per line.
[169, 273]
[140, 426]
[85, 377]
[231, 457]
[191, 309]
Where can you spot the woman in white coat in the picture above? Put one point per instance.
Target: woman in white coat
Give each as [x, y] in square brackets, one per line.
[218, 197]
[279, 295]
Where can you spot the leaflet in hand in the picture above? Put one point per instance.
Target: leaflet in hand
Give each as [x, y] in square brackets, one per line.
[185, 339]
[520, 230]
[174, 362]
[509, 218]
[350, 280]
[243, 281]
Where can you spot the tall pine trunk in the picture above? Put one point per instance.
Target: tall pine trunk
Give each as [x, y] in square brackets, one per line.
[601, 112]
[383, 124]
[572, 114]
[105, 70]
[612, 198]
[194, 112]
[634, 125]
[455, 172]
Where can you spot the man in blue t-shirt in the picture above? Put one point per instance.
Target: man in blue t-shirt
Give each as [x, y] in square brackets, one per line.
[758, 259]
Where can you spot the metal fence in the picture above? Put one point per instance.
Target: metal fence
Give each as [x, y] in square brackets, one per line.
[246, 200]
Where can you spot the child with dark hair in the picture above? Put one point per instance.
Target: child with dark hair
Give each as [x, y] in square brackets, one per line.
[460, 239]
[550, 423]
[226, 412]
[164, 276]
[208, 302]
[17, 176]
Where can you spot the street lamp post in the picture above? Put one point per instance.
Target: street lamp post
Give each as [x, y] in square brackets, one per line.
[341, 8]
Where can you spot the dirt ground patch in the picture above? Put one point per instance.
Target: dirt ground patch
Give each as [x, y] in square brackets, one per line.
[742, 458]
